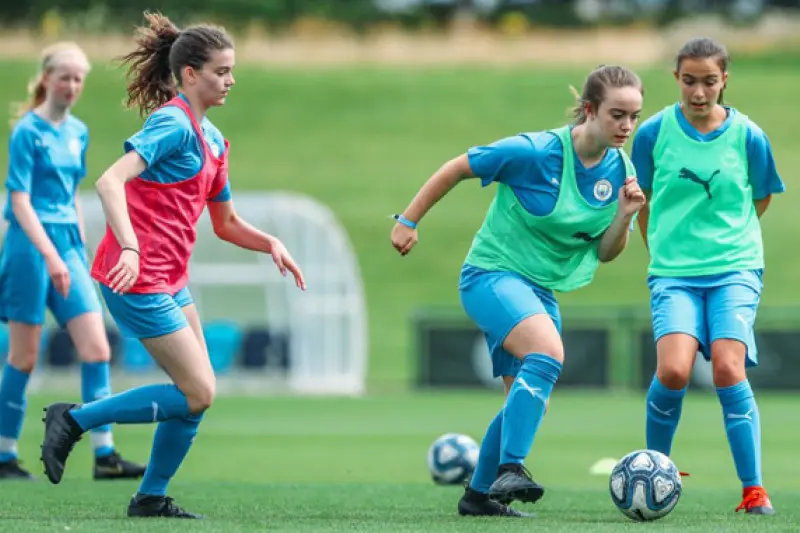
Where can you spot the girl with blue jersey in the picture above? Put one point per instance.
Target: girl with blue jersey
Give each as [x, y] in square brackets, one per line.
[153, 196]
[565, 200]
[710, 173]
[43, 261]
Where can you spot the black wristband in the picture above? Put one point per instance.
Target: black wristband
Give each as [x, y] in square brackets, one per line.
[132, 250]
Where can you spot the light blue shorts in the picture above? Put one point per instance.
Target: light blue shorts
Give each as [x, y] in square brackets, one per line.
[498, 301]
[146, 316]
[708, 308]
[25, 287]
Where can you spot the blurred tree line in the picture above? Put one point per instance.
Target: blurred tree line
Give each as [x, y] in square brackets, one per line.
[111, 15]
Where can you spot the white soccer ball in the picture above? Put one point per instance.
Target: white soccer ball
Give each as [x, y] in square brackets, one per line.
[452, 458]
[645, 485]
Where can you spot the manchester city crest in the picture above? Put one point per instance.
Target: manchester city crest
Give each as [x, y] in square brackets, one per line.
[603, 190]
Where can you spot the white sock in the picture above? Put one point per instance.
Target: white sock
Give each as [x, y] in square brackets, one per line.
[101, 439]
[8, 446]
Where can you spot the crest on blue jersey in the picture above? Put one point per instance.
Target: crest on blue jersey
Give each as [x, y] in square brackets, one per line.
[602, 190]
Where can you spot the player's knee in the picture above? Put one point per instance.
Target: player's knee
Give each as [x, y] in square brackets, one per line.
[95, 351]
[674, 376]
[554, 350]
[201, 396]
[535, 334]
[728, 368]
[23, 360]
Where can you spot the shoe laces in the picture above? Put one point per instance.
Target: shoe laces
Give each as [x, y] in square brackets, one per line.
[754, 497]
[171, 508]
[523, 471]
[113, 458]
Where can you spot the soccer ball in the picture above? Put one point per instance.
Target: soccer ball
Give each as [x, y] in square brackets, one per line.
[645, 485]
[452, 458]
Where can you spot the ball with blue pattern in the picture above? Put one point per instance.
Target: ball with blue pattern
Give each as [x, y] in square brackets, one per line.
[645, 485]
[452, 459]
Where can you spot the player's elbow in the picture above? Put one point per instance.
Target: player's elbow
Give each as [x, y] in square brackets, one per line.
[104, 185]
[605, 257]
[223, 228]
[606, 254]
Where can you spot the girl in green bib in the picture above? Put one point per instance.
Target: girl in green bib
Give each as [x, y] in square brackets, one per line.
[565, 199]
[710, 174]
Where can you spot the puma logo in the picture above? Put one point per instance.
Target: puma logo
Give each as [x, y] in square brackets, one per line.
[585, 236]
[687, 174]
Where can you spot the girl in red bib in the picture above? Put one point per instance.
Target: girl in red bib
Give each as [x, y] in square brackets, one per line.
[153, 196]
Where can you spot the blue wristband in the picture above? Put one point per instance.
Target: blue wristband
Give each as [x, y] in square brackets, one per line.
[404, 221]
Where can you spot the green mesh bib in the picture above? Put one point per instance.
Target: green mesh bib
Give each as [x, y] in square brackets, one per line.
[702, 217]
[557, 251]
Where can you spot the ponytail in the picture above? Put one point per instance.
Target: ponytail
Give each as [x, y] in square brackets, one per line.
[36, 96]
[578, 111]
[150, 78]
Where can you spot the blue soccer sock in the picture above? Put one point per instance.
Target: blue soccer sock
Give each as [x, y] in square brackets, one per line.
[664, 408]
[12, 410]
[142, 405]
[525, 406]
[743, 427]
[96, 385]
[489, 457]
[171, 443]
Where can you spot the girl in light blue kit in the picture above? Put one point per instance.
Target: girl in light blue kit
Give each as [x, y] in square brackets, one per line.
[711, 174]
[43, 262]
[565, 200]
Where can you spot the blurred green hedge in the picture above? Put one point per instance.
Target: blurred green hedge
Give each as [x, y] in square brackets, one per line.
[359, 15]
[107, 15]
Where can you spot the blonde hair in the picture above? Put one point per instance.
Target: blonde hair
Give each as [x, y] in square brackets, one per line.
[50, 59]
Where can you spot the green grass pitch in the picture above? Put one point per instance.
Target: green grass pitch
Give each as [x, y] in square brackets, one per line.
[283, 464]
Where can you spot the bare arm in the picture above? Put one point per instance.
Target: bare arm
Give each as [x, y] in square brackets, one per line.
[644, 218]
[111, 190]
[30, 224]
[438, 186]
[762, 205]
[230, 227]
[615, 238]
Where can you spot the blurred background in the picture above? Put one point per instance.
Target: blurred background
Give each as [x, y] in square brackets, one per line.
[342, 109]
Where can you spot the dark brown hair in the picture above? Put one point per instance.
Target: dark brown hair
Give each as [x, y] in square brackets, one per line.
[49, 61]
[162, 52]
[596, 84]
[704, 48]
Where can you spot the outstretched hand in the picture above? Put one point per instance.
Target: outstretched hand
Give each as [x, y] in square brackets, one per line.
[285, 263]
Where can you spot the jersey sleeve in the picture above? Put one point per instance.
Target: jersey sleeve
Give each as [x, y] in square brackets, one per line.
[21, 150]
[764, 177]
[502, 160]
[163, 134]
[642, 153]
[224, 195]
